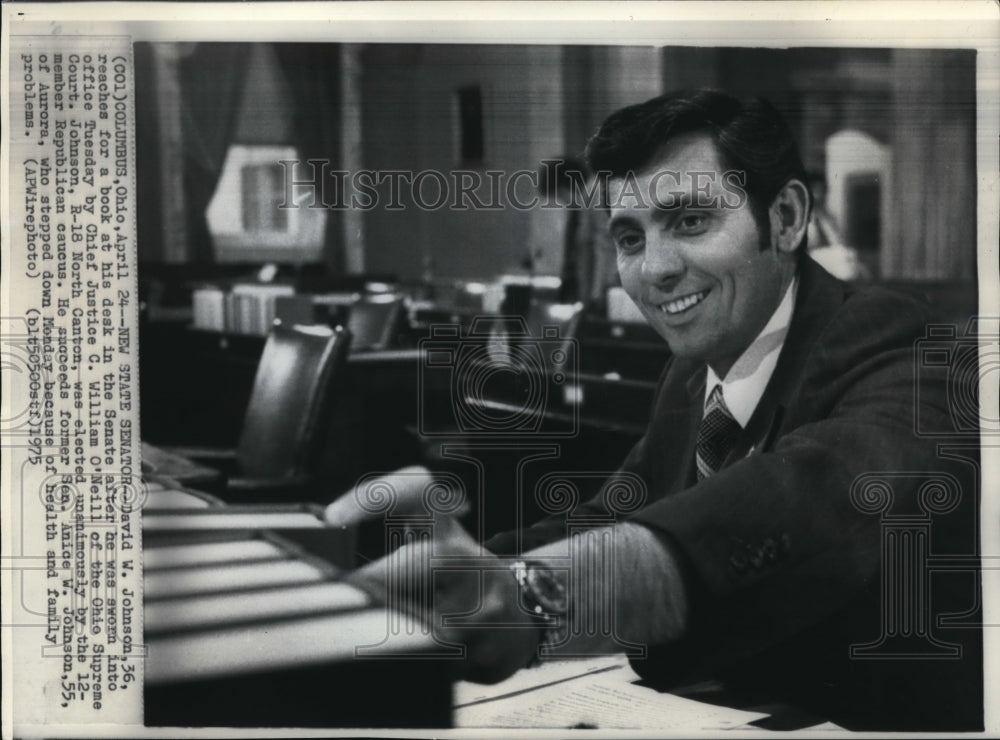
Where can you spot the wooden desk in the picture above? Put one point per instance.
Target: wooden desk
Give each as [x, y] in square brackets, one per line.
[248, 623]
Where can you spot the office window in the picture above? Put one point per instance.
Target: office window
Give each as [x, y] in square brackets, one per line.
[258, 214]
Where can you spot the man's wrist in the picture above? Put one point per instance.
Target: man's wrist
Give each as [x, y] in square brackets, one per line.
[542, 595]
[644, 590]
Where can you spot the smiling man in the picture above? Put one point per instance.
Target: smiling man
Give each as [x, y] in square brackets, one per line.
[758, 556]
[696, 265]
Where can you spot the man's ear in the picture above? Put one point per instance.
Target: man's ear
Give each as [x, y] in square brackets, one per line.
[789, 215]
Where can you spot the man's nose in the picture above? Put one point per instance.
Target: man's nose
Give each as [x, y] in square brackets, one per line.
[662, 262]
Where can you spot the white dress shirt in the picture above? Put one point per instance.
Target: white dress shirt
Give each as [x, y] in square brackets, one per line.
[746, 380]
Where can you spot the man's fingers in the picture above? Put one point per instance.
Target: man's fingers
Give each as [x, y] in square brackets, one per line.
[405, 565]
[454, 537]
[476, 604]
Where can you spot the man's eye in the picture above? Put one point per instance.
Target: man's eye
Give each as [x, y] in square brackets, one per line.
[629, 241]
[693, 223]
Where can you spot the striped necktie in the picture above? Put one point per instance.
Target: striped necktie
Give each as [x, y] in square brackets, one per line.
[717, 435]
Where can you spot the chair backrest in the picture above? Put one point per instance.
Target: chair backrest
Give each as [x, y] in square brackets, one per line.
[553, 323]
[374, 322]
[548, 329]
[282, 427]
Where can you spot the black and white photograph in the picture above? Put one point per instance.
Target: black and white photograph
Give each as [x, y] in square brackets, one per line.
[463, 368]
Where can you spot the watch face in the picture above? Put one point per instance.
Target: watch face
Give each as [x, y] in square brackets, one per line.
[547, 588]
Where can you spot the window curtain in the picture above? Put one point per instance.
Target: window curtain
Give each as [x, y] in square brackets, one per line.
[313, 75]
[934, 233]
[211, 77]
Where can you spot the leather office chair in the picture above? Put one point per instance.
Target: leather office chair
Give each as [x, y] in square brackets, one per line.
[547, 320]
[375, 321]
[539, 344]
[277, 456]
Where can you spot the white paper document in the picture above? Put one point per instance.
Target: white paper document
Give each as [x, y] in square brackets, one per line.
[593, 693]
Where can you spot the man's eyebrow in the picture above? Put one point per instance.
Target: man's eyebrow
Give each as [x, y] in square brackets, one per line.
[664, 212]
[622, 220]
[677, 202]
[659, 215]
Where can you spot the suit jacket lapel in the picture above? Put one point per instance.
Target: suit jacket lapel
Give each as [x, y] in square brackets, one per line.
[674, 429]
[696, 396]
[818, 296]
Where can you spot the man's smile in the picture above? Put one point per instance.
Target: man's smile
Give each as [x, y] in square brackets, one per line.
[682, 304]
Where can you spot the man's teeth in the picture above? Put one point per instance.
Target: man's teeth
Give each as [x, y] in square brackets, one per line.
[682, 304]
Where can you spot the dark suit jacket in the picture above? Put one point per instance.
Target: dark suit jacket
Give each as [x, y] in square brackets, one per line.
[784, 567]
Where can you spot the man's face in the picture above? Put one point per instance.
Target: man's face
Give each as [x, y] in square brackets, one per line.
[694, 265]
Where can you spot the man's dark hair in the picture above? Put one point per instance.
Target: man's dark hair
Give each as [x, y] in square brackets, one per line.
[749, 134]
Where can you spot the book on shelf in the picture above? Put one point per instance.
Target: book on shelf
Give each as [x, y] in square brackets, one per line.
[245, 308]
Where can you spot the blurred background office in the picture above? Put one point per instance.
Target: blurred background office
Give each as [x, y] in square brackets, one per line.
[888, 133]
[892, 132]
[291, 347]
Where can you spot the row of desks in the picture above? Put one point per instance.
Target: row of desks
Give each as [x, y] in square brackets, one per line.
[196, 384]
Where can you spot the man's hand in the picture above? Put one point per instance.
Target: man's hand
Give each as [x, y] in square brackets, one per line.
[470, 598]
[465, 594]
[474, 600]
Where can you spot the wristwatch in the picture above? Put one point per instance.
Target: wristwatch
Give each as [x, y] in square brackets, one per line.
[543, 592]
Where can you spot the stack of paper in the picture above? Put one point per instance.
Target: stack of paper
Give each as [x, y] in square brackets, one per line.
[592, 693]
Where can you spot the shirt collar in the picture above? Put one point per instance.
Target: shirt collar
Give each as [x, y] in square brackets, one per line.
[746, 380]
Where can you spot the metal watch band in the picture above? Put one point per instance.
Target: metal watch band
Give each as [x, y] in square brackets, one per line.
[544, 595]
